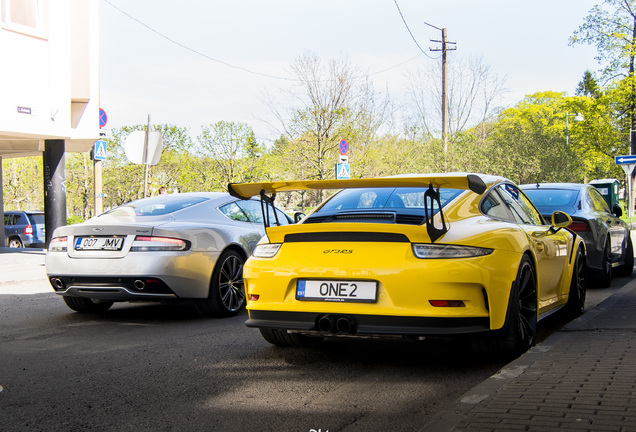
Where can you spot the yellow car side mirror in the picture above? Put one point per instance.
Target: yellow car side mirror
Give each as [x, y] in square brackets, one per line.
[561, 219]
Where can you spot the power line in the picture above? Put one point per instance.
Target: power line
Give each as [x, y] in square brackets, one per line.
[411, 33]
[195, 51]
[181, 45]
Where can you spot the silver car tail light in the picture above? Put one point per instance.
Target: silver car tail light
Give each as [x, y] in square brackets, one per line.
[145, 243]
[57, 244]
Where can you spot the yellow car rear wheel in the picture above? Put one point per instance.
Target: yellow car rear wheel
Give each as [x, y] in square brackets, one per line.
[519, 332]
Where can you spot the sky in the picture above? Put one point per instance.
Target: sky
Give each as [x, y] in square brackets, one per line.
[196, 62]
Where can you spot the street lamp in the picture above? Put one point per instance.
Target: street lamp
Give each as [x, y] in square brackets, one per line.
[578, 118]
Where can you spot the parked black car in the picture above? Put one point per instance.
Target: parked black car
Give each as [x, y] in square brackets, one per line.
[607, 237]
[24, 229]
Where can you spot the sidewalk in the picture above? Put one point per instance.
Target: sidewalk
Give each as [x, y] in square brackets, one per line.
[582, 378]
[22, 271]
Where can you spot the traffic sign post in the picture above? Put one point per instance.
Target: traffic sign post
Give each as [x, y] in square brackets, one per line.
[99, 154]
[628, 163]
[343, 169]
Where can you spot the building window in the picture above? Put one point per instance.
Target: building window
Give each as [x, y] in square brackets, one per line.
[25, 16]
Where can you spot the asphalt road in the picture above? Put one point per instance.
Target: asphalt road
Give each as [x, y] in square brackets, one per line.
[149, 367]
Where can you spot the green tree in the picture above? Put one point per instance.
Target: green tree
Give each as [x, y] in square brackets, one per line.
[233, 152]
[23, 183]
[333, 103]
[529, 142]
[588, 86]
[611, 28]
[79, 185]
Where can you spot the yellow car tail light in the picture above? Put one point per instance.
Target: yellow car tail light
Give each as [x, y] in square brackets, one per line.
[437, 251]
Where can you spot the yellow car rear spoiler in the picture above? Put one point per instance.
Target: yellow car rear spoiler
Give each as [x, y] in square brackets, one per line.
[431, 197]
[437, 181]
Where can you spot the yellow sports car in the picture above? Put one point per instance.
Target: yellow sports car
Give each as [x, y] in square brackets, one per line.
[416, 256]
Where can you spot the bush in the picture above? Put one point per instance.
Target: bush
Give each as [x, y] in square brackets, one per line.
[73, 219]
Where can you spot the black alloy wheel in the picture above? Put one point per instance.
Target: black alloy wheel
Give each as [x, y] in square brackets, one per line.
[578, 285]
[605, 276]
[520, 331]
[227, 289]
[527, 316]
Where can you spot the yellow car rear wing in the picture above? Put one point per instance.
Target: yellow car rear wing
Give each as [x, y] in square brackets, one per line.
[452, 181]
[471, 182]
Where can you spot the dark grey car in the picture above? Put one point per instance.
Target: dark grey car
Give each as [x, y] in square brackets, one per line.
[606, 235]
[24, 229]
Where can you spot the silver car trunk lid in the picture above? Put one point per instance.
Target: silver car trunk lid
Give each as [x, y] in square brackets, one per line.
[102, 240]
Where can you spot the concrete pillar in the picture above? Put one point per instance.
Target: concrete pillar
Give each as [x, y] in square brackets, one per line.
[54, 186]
[2, 239]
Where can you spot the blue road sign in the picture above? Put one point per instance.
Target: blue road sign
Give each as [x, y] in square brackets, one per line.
[343, 171]
[631, 159]
[99, 150]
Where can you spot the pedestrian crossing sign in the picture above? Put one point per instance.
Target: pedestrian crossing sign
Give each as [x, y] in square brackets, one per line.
[99, 150]
[343, 171]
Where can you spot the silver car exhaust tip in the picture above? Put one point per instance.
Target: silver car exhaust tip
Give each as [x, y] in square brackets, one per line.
[139, 284]
[58, 283]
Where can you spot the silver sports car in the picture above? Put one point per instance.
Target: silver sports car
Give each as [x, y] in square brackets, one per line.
[164, 248]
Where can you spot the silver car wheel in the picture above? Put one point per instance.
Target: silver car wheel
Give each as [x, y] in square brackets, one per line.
[227, 290]
[231, 287]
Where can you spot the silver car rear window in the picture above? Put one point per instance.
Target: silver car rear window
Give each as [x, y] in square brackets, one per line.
[157, 206]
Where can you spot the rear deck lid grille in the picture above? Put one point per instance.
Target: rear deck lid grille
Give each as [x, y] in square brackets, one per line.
[347, 237]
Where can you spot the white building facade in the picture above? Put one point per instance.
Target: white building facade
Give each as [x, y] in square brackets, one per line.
[49, 84]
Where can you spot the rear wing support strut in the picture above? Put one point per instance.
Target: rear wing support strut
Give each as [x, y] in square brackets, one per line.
[268, 201]
[431, 199]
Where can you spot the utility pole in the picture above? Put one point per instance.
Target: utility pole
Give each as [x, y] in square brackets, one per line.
[444, 49]
[145, 153]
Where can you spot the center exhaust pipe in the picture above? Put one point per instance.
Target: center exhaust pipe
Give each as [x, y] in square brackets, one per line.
[337, 324]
